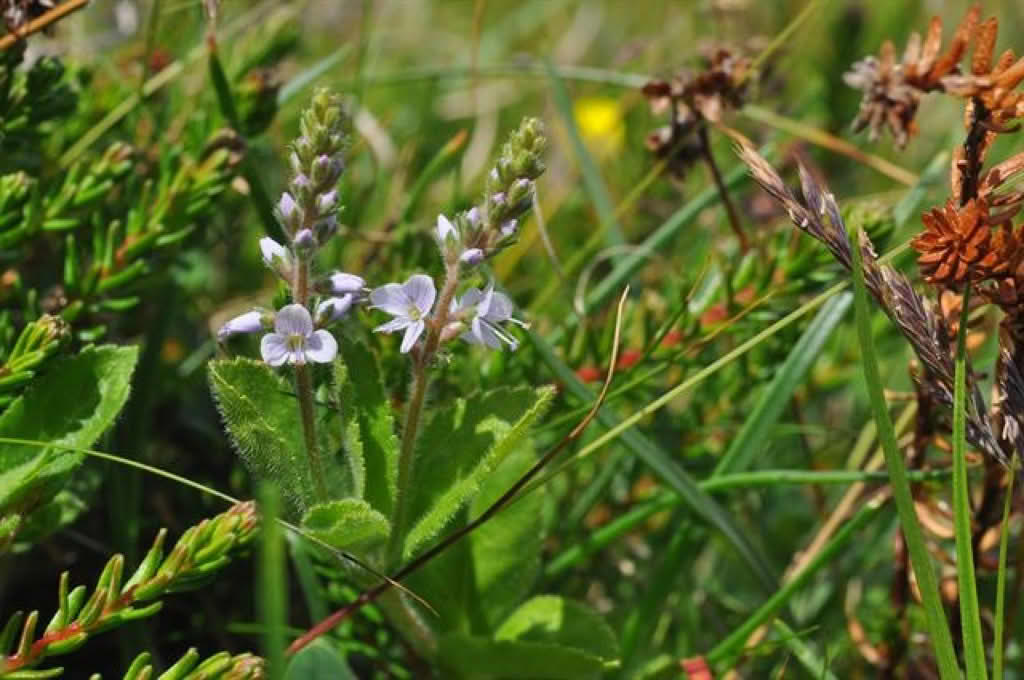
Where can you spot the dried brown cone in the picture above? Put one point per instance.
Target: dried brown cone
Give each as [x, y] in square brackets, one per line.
[957, 245]
[893, 89]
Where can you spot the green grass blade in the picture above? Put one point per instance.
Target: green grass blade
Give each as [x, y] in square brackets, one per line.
[592, 181]
[755, 431]
[667, 469]
[733, 644]
[273, 588]
[628, 521]
[816, 667]
[1000, 622]
[920, 560]
[304, 78]
[970, 614]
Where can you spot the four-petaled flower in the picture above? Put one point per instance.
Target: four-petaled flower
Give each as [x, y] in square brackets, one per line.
[488, 308]
[409, 303]
[294, 340]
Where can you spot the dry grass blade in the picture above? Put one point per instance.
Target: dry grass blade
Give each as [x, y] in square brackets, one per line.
[42, 22]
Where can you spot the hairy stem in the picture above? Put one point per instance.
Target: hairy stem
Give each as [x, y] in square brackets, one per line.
[304, 390]
[414, 411]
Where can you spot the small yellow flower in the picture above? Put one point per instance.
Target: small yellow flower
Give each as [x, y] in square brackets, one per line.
[600, 123]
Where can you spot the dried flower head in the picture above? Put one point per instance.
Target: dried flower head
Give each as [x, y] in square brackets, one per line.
[893, 89]
[957, 245]
[691, 98]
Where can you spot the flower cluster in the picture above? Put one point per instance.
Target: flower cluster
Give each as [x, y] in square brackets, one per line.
[308, 214]
[298, 333]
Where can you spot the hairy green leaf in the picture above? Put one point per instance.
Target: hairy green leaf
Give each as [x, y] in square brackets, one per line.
[262, 419]
[547, 637]
[348, 524]
[506, 550]
[74, 403]
[351, 439]
[364, 392]
[460, 447]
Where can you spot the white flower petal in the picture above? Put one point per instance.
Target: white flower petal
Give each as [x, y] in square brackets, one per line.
[391, 298]
[500, 309]
[293, 320]
[470, 299]
[333, 309]
[420, 289]
[321, 347]
[274, 349]
[399, 324]
[484, 306]
[412, 334]
[485, 333]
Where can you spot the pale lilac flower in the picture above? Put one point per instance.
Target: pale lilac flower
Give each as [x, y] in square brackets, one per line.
[473, 217]
[342, 283]
[489, 308]
[333, 309]
[250, 322]
[294, 340]
[409, 303]
[273, 252]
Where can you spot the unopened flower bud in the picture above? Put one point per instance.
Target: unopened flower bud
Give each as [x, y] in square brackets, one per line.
[472, 257]
[445, 231]
[250, 322]
[333, 309]
[509, 228]
[325, 171]
[289, 212]
[473, 217]
[302, 187]
[304, 242]
[275, 255]
[326, 228]
[342, 283]
[327, 203]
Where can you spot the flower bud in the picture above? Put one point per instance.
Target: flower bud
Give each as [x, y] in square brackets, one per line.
[341, 283]
[326, 228]
[250, 322]
[327, 203]
[275, 255]
[333, 309]
[445, 231]
[473, 217]
[472, 257]
[289, 212]
[325, 171]
[302, 187]
[304, 242]
[509, 228]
